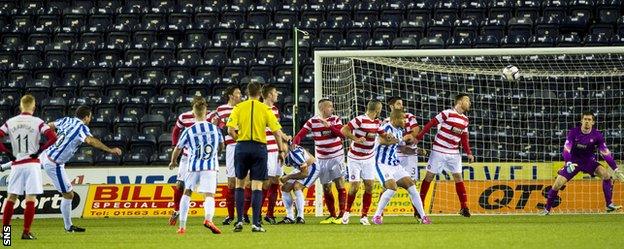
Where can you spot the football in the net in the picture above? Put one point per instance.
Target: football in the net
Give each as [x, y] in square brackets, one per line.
[511, 73]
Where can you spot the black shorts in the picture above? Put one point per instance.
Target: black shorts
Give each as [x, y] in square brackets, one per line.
[251, 157]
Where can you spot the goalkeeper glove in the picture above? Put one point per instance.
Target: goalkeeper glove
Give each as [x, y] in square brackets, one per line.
[618, 174]
[570, 166]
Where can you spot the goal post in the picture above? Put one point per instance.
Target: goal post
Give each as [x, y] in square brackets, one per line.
[517, 127]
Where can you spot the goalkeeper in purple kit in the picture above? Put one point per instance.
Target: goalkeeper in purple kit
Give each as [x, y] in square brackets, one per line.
[578, 154]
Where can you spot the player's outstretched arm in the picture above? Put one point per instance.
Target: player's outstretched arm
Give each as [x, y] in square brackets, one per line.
[346, 131]
[300, 135]
[433, 122]
[51, 137]
[96, 143]
[174, 157]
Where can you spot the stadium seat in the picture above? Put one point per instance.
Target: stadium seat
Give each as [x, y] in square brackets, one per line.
[554, 8]
[446, 10]
[431, 43]
[366, 12]
[474, 9]
[405, 43]
[569, 41]
[541, 41]
[520, 27]
[501, 9]
[528, 8]
[459, 42]
[414, 29]
[392, 12]
[104, 159]
[592, 40]
[513, 41]
[608, 11]
[584, 8]
[439, 28]
[493, 27]
[574, 25]
[419, 10]
[547, 26]
[143, 144]
[466, 28]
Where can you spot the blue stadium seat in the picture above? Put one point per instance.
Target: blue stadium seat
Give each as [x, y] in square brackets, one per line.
[374, 44]
[493, 27]
[332, 30]
[392, 11]
[584, 8]
[460, 42]
[570, 40]
[143, 143]
[234, 14]
[473, 9]
[252, 33]
[40, 89]
[163, 157]
[604, 29]
[366, 12]
[574, 25]
[132, 108]
[385, 30]
[355, 43]
[419, 10]
[431, 43]
[592, 40]
[542, 41]
[159, 105]
[554, 8]
[313, 12]
[466, 28]
[405, 43]
[528, 8]
[104, 159]
[415, 29]
[439, 28]
[608, 11]
[446, 10]
[81, 158]
[547, 26]
[520, 26]
[513, 41]
[501, 9]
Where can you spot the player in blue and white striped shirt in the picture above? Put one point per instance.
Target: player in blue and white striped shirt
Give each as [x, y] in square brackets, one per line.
[303, 176]
[389, 170]
[204, 141]
[72, 132]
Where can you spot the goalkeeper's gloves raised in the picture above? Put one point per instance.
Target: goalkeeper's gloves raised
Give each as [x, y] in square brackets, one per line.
[617, 174]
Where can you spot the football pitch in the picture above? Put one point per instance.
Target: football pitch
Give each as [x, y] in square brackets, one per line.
[554, 231]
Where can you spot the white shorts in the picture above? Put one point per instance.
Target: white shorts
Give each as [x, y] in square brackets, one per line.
[361, 169]
[410, 165]
[438, 161]
[230, 149]
[387, 172]
[273, 166]
[330, 169]
[313, 174]
[57, 174]
[201, 181]
[183, 169]
[25, 179]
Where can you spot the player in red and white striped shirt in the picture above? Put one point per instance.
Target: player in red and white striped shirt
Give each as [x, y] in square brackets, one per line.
[272, 186]
[407, 155]
[362, 130]
[221, 114]
[184, 121]
[25, 131]
[452, 130]
[327, 137]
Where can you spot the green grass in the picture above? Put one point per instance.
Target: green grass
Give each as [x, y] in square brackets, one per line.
[555, 231]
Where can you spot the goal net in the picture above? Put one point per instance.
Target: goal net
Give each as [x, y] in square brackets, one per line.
[517, 128]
